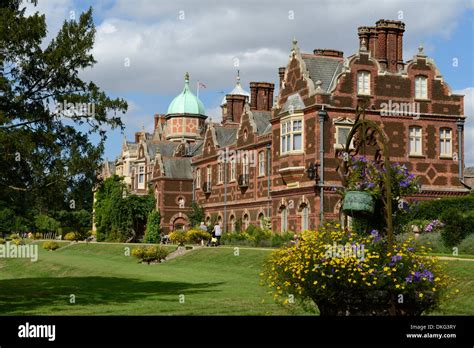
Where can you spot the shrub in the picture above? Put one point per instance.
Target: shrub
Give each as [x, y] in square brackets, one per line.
[325, 269]
[18, 241]
[432, 241]
[154, 253]
[458, 225]
[2, 241]
[197, 235]
[38, 235]
[50, 245]
[467, 245]
[153, 228]
[14, 236]
[70, 236]
[178, 237]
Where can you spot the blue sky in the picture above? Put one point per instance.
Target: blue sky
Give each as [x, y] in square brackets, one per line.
[163, 39]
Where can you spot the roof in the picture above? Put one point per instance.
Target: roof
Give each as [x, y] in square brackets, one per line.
[111, 167]
[238, 90]
[323, 69]
[166, 148]
[178, 168]
[262, 121]
[225, 136]
[293, 103]
[194, 148]
[469, 171]
[186, 102]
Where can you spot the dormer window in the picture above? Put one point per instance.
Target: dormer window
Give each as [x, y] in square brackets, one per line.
[363, 83]
[421, 90]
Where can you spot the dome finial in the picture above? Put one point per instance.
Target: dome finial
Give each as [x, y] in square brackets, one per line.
[238, 77]
[186, 77]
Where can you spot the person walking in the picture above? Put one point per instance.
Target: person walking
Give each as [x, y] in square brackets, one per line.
[202, 226]
[218, 232]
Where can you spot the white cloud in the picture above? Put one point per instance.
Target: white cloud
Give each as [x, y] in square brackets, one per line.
[161, 47]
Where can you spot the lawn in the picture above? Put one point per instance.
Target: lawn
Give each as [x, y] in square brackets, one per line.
[106, 282]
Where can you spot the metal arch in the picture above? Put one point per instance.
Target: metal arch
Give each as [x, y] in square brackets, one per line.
[371, 134]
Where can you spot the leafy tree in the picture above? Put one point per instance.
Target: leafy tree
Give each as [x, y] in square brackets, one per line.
[44, 223]
[48, 161]
[153, 228]
[119, 216]
[196, 216]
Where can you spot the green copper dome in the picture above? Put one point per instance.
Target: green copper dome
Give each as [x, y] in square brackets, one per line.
[186, 102]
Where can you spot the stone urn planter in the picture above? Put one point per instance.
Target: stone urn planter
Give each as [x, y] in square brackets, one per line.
[358, 203]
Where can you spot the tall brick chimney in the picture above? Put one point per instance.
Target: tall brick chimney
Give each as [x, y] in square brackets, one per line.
[261, 96]
[235, 107]
[384, 42]
[281, 73]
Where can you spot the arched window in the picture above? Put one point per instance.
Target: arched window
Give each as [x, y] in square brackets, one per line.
[246, 221]
[261, 220]
[232, 223]
[284, 219]
[261, 163]
[304, 217]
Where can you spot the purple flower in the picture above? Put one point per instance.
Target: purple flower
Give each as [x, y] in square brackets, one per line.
[396, 258]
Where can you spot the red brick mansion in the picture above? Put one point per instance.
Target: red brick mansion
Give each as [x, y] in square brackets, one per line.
[254, 163]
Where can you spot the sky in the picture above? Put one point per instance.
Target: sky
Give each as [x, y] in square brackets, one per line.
[144, 48]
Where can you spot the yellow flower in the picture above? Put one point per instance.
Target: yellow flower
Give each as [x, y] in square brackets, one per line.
[315, 282]
[420, 294]
[397, 286]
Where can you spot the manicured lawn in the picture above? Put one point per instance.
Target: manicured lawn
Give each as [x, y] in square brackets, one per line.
[106, 282]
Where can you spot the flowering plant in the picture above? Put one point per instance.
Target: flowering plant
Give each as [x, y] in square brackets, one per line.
[368, 176]
[351, 274]
[433, 226]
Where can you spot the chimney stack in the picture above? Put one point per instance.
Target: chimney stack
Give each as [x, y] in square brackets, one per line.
[385, 43]
[235, 107]
[261, 96]
[281, 73]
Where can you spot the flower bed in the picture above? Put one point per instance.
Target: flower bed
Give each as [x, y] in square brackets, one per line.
[350, 274]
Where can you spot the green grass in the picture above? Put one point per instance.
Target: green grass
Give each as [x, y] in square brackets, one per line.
[106, 282]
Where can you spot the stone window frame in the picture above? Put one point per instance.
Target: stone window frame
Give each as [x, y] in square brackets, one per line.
[444, 138]
[220, 173]
[233, 170]
[410, 152]
[198, 177]
[417, 88]
[261, 163]
[366, 76]
[290, 119]
[342, 122]
[283, 211]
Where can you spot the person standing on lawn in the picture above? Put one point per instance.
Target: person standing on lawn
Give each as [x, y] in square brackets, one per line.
[202, 226]
[218, 232]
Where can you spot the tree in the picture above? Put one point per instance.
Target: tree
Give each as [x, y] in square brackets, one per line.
[196, 216]
[119, 216]
[48, 113]
[44, 223]
[153, 228]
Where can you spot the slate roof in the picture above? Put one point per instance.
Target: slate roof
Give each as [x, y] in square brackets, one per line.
[225, 136]
[166, 148]
[194, 149]
[178, 168]
[469, 171]
[294, 101]
[323, 69]
[262, 121]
